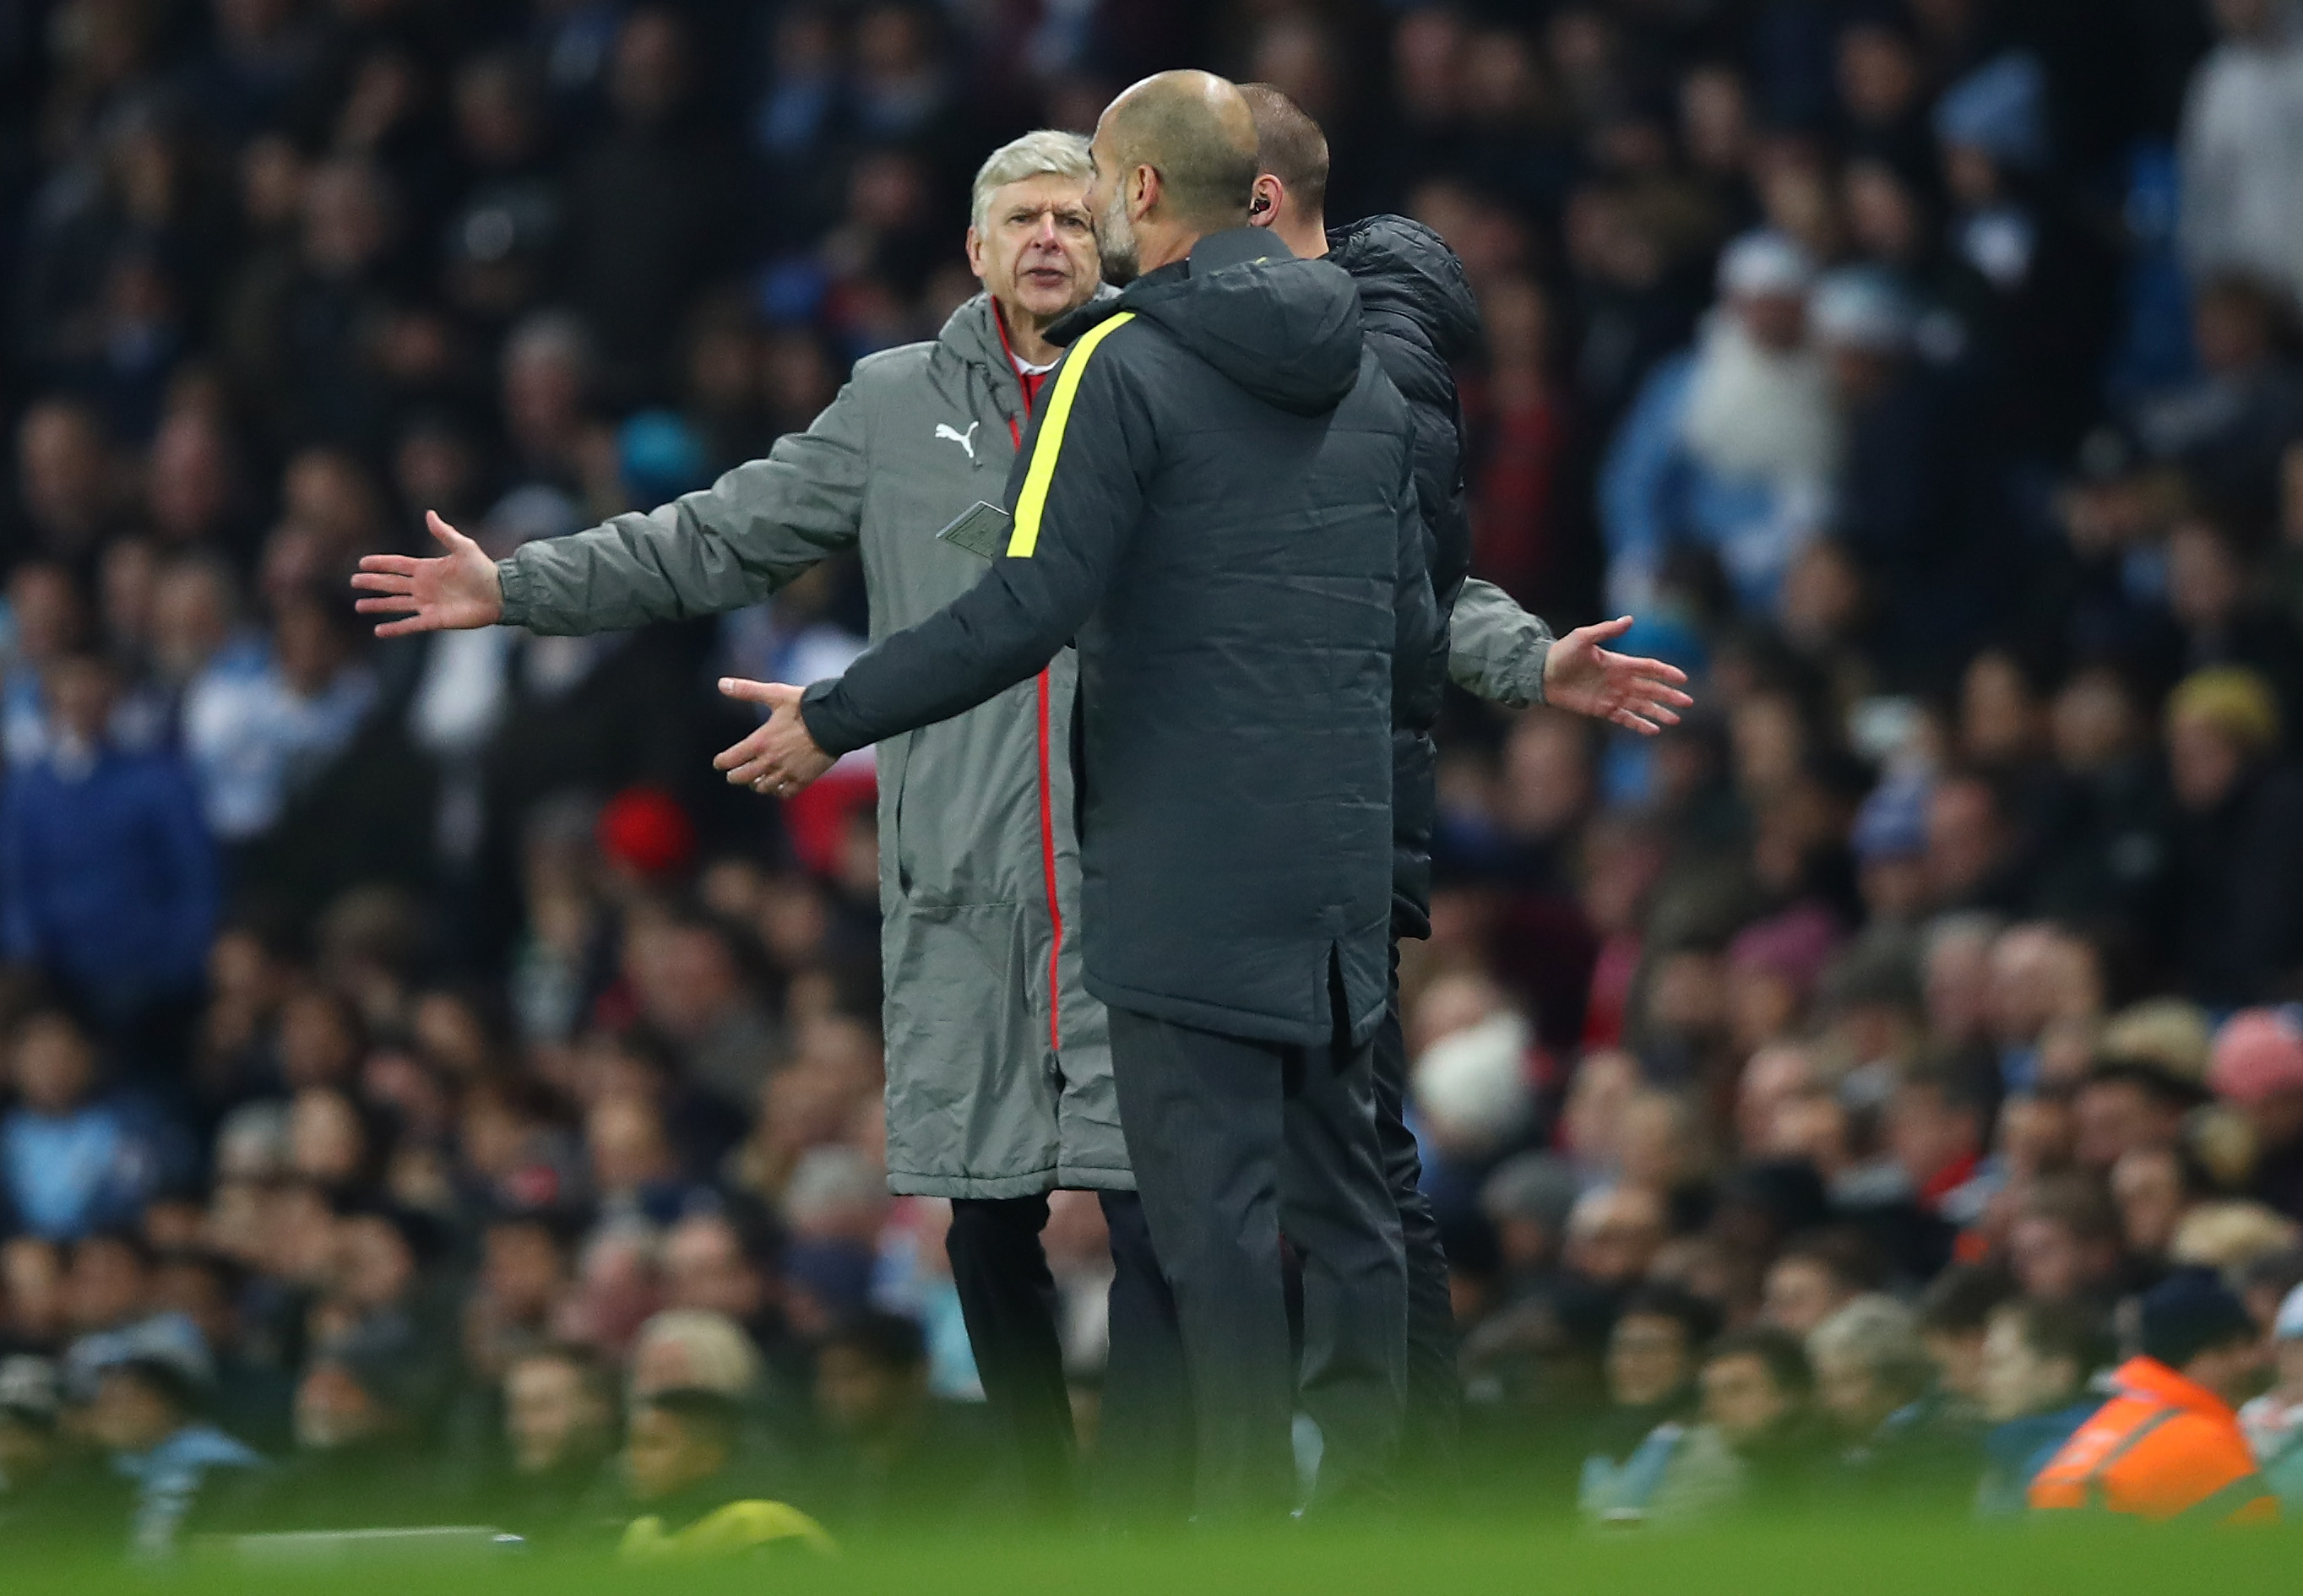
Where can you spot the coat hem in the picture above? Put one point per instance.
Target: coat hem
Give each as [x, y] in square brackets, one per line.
[912, 1183]
[1243, 1023]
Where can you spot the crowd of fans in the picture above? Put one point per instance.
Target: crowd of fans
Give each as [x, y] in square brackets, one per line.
[424, 1083]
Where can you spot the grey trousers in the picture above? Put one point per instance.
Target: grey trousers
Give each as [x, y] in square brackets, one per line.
[1231, 1141]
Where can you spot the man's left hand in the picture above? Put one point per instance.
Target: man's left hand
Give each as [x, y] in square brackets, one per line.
[780, 757]
[1584, 676]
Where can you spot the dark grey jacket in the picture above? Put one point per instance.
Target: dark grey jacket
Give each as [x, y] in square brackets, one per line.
[1218, 500]
[1420, 322]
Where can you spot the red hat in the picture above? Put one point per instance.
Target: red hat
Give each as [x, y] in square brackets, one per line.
[645, 830]
[2259, 1054]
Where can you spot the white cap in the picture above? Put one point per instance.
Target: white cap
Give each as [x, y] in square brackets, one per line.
[2288, 1325]
[1765, 264]
[1471, 1086]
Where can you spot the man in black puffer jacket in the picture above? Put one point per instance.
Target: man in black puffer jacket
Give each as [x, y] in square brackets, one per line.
[1420, 319]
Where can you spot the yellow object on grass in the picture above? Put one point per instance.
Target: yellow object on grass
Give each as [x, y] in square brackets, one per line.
[724, 1533]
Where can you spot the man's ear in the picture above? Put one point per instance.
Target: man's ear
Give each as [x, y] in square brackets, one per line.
[1265, 200]
[975, 251]
[1144, 184]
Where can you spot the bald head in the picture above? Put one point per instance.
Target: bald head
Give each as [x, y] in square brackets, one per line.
[1196, 130]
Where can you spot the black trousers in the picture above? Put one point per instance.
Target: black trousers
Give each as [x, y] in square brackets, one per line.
[1008, 1298]
[1431, 1441]
[1230, 1140]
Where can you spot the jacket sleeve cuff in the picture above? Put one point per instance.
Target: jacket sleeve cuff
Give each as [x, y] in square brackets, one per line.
[1542, 653]
[511, 583]
[822, 710]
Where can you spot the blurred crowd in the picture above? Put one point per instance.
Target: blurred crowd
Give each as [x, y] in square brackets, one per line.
[429, 1095]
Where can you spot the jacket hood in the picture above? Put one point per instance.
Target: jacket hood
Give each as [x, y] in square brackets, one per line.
[1405, 269]
[1285, 330]
[970, 334]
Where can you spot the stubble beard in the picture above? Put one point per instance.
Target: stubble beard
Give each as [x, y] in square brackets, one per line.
[1115, 242]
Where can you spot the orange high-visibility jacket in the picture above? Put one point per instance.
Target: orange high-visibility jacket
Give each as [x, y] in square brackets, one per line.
[2163, 1448]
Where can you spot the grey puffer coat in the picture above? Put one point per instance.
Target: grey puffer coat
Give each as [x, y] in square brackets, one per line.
[999, 1072]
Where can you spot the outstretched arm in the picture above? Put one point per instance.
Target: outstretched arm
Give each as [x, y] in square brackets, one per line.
[1499, 652]
[730, 544]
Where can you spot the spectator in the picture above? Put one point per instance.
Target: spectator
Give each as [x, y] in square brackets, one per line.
[2128, 1105]
[2037, 1360]
[2239, 197]
[1877, 1380]
[714, 1264]
[2167, 1444]
[1528, 1199]
[560, 1431]
[360, 1407]
[523, 1277]
[1653, 1354]
[1731, 447]
[2273, 1422]
[2053, 282]
[258, 738]
[1758, 1389]
[2064, 1245]
[695, 1349]
[65, 473]
[1813, 1278]
[250, 1397]
[2154, 1187]
[110, 880]
[899, 1456]
[2235, 928]
[77, 1160]
[2258, 1067]
[1613, 1235]
[680, 1460]
[1955, 1314]
[146, 1415]
[111, 1310]
[1935, 1134]
[2230, 424]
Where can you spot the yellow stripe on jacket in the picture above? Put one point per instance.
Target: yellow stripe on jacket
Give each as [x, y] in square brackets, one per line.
[1033, 502]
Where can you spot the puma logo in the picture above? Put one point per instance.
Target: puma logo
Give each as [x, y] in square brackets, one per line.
[965, 440]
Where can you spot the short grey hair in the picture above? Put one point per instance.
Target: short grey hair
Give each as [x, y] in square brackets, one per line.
[1879, 1334]
[1048, 152]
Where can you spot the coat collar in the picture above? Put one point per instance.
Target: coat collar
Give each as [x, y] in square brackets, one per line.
[2150, 1378]
[972, 334]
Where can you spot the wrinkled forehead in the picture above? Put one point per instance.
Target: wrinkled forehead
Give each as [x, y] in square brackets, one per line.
[1036, 194]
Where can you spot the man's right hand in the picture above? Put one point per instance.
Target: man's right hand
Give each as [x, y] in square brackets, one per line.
[457, 592]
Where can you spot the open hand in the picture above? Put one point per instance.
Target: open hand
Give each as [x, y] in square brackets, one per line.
[1639, 695]
[455, 592]
[780, 757]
